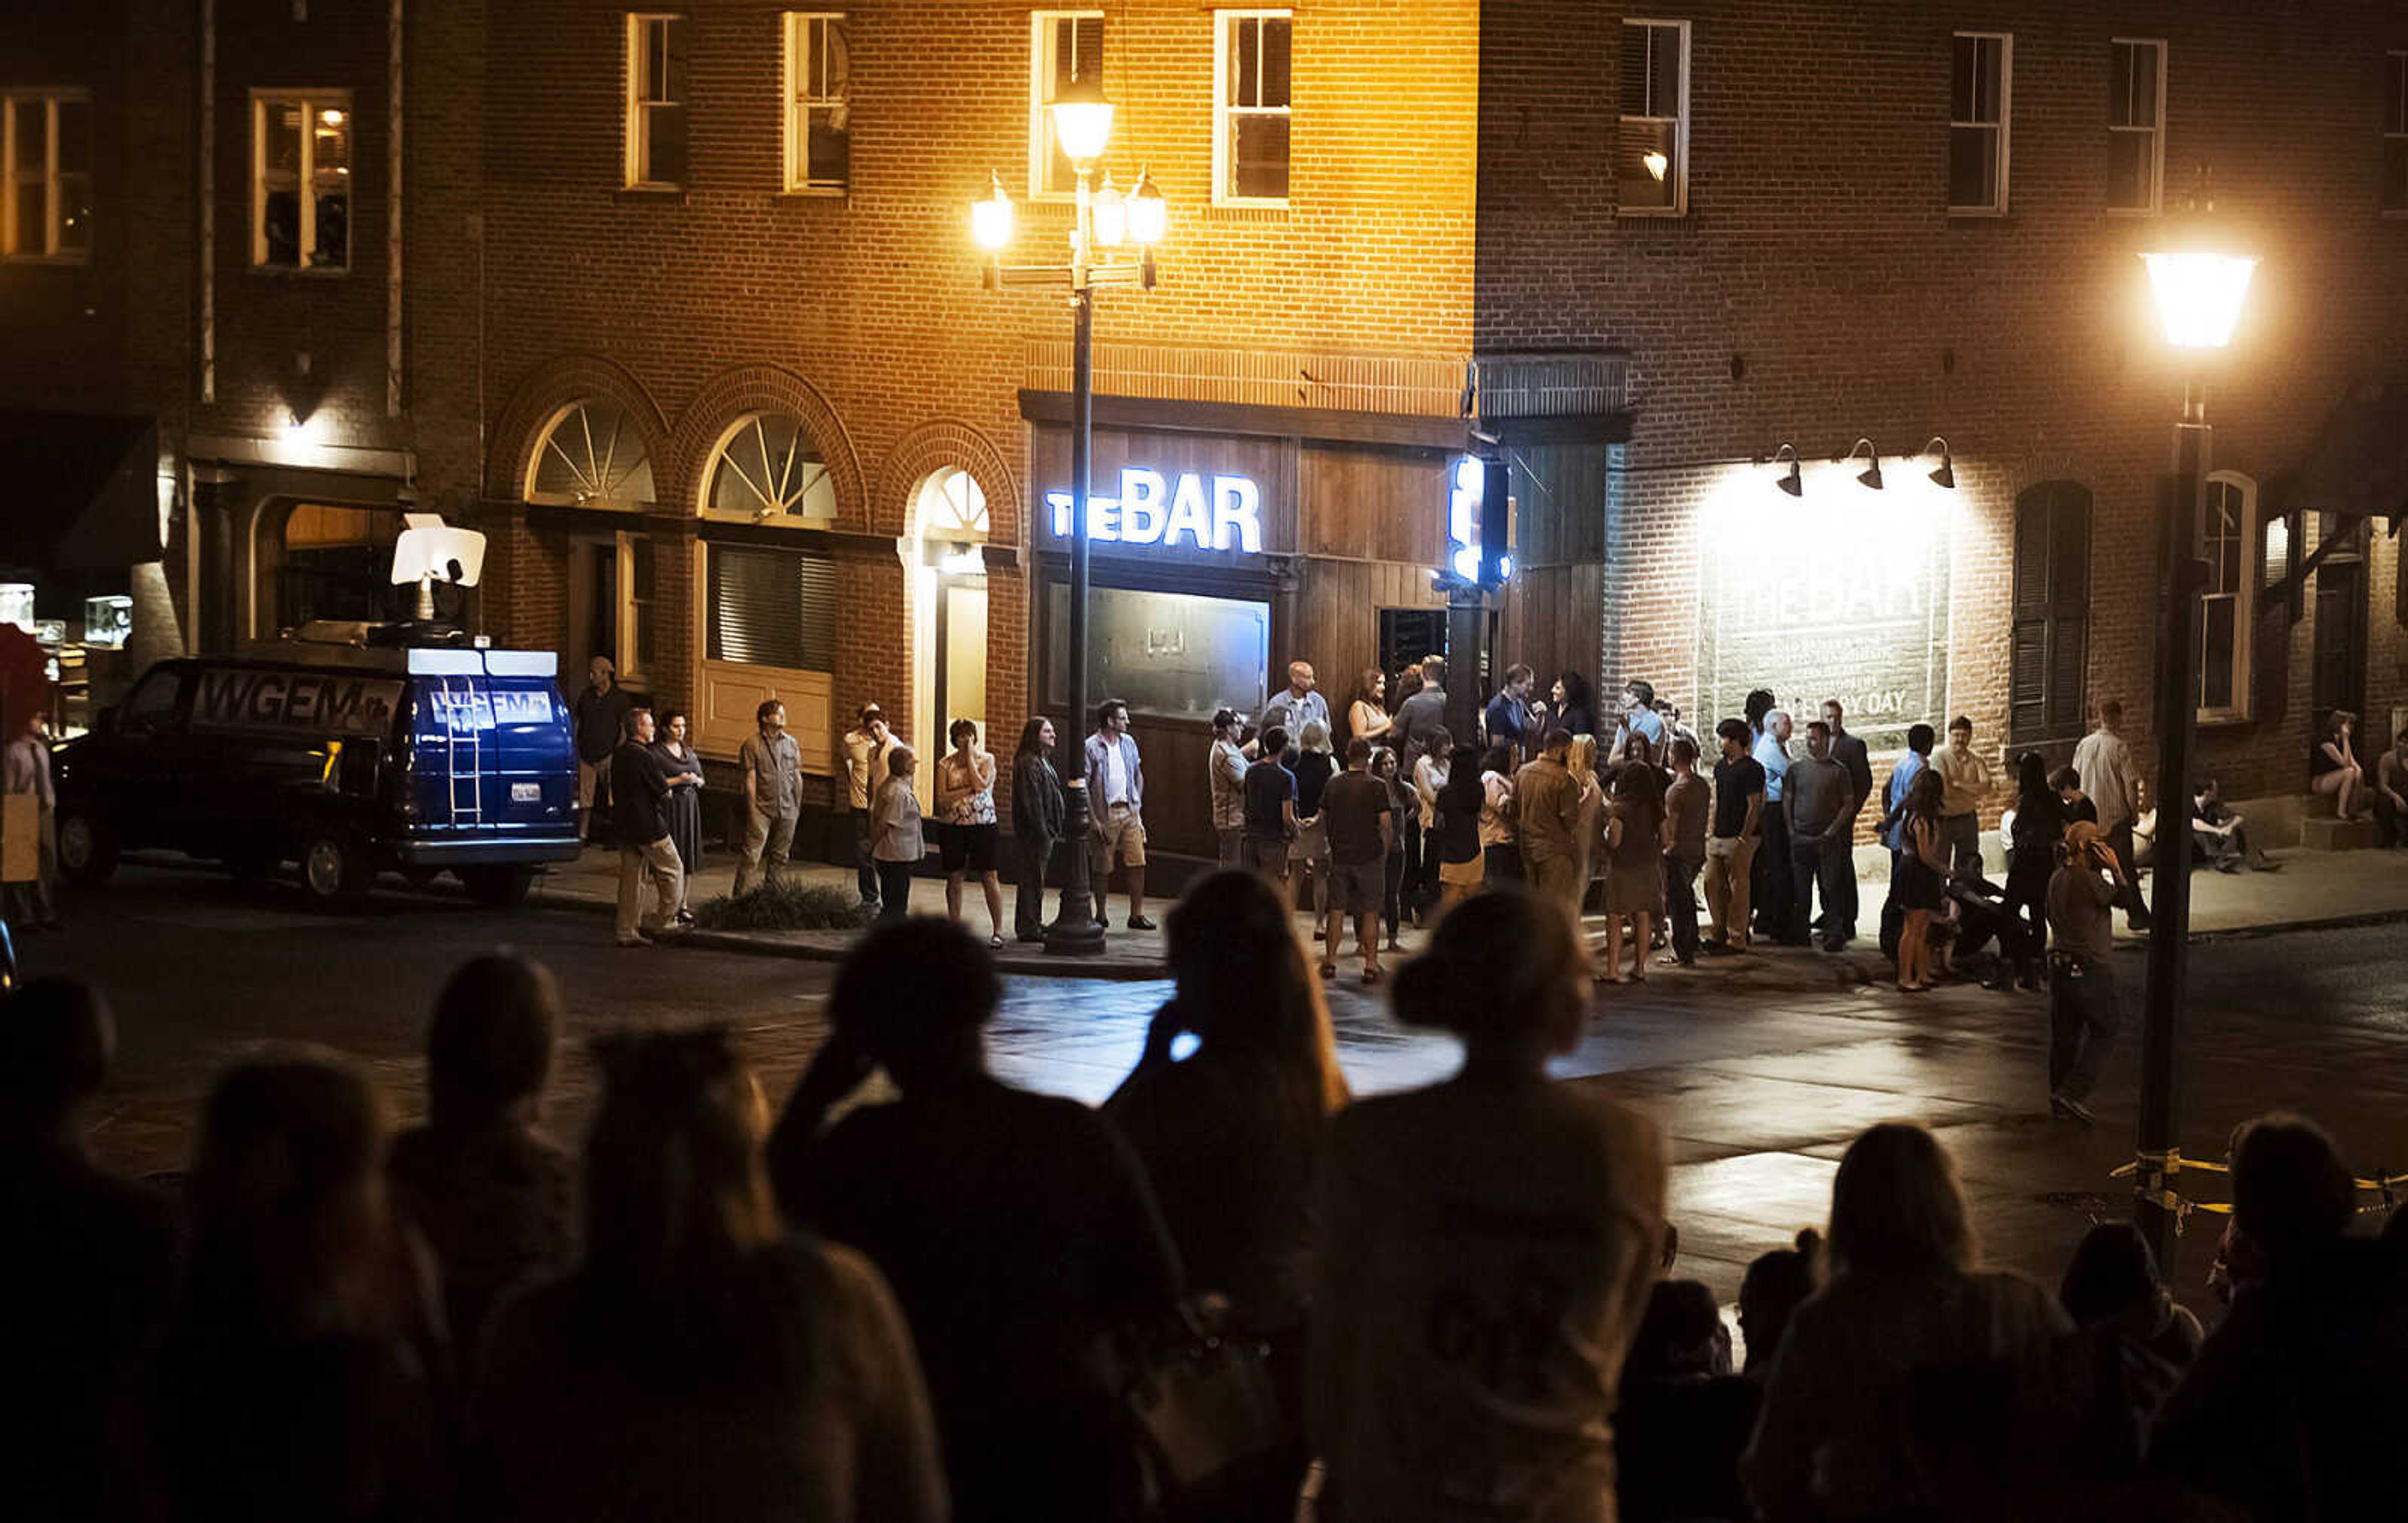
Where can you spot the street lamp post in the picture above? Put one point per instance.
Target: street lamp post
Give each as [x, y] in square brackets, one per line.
[2198, 285]
[1104, 222]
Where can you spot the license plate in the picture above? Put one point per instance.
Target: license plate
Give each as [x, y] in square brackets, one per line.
[526, 793]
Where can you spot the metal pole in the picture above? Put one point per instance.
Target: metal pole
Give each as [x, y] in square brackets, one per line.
[2160, 1125]
[1074, 932]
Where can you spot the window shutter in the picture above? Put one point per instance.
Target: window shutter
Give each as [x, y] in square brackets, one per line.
[772, 607]
[2028, 676]
[2048, 642]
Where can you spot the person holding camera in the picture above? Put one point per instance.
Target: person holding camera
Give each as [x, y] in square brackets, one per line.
[2083, 1013]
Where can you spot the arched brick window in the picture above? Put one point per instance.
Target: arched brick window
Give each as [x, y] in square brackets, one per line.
[766, 469]
[592, 455]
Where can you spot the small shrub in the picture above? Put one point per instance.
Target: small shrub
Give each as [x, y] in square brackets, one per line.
[784, 907]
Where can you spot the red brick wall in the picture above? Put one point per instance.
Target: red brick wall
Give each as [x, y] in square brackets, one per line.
[1817, 290]
[865, 312]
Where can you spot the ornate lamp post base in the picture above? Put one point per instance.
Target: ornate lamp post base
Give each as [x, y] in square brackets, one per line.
[1074, 932]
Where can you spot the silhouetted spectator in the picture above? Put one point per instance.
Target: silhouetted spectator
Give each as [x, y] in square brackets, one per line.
[306, 1376]
[2138, 1341]
[1684, 1418]
[1487, 1247]
[493, 1195]
[2295, 1408]
[1775, 1286]
[700, 1363]
[1231, 1136]
[1912, 1380]
[88, 1261]
[1016, 1229]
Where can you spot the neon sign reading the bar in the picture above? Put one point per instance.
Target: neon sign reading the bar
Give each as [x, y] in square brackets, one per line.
[1150, 511]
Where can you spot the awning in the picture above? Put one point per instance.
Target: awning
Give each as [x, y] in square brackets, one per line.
[2359, 464]
[81, 488]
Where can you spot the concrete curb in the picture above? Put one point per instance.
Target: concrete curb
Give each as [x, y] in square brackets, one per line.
[1011, 959]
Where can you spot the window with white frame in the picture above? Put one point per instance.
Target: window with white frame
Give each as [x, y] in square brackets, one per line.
[2227, 536]
[1063, 47]
[1250, 107]
[818, 108]
[301, 179]
[2136, 123]
[1651, 155]
[592, 455]
[1981, 87]
[766, 468]
[46, 155]
[656, 101]
[2395, 133]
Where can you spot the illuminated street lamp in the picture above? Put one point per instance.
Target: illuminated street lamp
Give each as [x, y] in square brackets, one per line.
[1105, 221]
[2199, 280]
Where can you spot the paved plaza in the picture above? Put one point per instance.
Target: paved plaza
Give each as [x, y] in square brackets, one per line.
[1759, 1068]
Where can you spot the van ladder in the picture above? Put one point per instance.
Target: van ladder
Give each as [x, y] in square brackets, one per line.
[460, 699]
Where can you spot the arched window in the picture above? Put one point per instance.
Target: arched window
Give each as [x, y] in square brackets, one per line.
[766, 468]
[591, 457]
[2227, 534]
[951, 506]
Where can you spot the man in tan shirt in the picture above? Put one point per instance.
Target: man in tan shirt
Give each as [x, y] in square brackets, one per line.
[1964, 778]
[1546, 798]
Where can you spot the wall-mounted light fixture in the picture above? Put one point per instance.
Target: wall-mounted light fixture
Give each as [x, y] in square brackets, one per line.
[1794, 480]
[1944, 475]
[1870, 477]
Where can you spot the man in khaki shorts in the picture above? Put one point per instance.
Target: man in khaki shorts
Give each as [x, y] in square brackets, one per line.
[1116, 803]
[1355, 804]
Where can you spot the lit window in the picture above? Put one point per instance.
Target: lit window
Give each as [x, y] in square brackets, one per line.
[952, 506]
[591, 457]
[301, 181]
[2395, 132]
[2136, 123]
[656, 102]
[1651, 149]
[46, 152]
[1981, 85]
[1064, 45]
[819, 112]
[2227, 534]
[766, 469]
[1250, 107]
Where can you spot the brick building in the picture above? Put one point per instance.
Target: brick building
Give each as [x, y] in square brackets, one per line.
[679, 306]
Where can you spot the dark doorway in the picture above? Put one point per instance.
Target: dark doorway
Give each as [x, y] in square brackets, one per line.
[2340, 679]
[1409, 633]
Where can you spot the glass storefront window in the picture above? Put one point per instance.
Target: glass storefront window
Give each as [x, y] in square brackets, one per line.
[1173, 655]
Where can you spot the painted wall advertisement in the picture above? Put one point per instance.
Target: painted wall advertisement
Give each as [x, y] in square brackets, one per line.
[1845, 598]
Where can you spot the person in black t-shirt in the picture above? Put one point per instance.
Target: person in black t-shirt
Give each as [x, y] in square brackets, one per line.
[639, 810]
[1016, 1230]
[1730, 849]
[601, 714]
[1270, 810]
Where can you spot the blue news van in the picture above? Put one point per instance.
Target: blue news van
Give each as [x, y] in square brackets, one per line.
[348, 759]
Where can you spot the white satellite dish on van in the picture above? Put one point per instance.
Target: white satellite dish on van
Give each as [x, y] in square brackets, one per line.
[430, 551]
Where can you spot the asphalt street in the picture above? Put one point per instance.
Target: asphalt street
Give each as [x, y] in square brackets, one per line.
[1760, 1070]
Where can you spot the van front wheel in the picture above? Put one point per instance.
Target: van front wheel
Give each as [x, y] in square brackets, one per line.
[87, 847]
[499, 886]
[334, 869]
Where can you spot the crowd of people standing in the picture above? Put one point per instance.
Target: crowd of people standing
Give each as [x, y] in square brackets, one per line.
[913, 1294]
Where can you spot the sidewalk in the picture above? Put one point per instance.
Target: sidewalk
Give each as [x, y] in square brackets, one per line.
[2313, 890]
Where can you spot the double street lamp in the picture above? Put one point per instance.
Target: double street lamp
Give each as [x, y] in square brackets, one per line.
[2199, 281]
[1111, 243]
